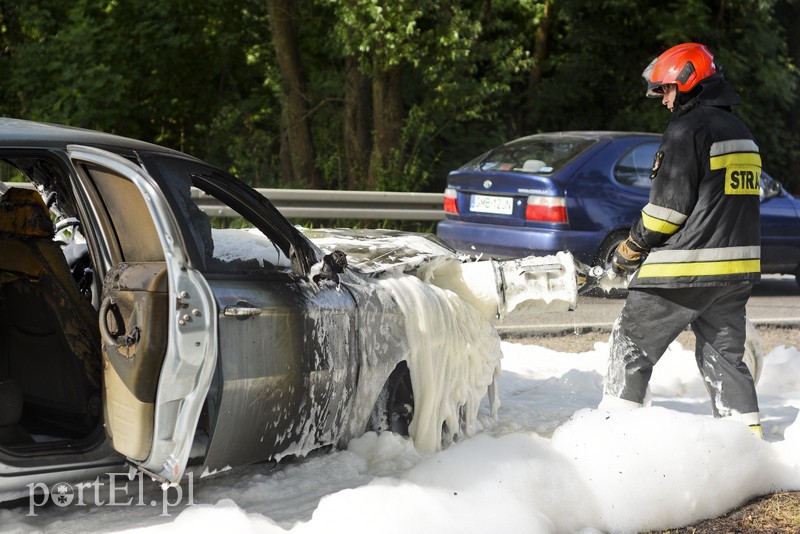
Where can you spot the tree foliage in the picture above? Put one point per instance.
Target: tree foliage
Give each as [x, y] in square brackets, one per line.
[392, 95]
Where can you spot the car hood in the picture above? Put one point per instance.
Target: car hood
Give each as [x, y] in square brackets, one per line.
[375, 250]
[495, 288]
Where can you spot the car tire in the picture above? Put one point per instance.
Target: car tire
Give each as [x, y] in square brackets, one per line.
[603, 258]
[394, 408]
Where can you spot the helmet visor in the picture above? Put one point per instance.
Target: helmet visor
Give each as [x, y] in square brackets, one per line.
[654, 87]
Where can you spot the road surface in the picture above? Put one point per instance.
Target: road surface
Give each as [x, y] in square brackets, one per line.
[774, 302]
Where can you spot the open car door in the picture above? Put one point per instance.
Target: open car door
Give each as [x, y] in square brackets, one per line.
[158, 318]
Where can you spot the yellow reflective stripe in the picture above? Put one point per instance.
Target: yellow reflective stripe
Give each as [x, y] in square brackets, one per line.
[658, 225]
[711, 268]
[750, 159]
[667, 214]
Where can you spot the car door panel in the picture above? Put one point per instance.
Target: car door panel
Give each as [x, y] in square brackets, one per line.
[133, 321]
[259, 381]
[287, 362]
[143, 229]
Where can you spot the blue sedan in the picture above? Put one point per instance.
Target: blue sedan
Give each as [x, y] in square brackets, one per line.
[580, 191]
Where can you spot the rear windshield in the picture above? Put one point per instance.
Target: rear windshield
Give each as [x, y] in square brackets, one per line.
[540, 155]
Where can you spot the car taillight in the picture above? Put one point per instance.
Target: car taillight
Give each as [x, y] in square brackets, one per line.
[546, 209]
[450, 205]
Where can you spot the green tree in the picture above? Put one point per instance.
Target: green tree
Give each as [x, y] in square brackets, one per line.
[431, 65]
[297, 146]
[390, 95]
[591, 78]
[166, 72]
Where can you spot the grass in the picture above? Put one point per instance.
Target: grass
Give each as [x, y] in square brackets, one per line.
[777, 513]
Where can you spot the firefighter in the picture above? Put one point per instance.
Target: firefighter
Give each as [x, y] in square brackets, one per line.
[696, 248]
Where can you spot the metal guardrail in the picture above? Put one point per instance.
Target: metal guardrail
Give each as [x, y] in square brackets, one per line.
[322, 204]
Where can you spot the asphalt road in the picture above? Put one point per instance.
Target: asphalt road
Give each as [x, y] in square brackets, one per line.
[774, 302]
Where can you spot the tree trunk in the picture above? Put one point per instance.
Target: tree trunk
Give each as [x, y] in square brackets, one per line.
[282, 16]
[356, 124]
[540, 46]
[285, 151]
[387, 120]
[541, 42]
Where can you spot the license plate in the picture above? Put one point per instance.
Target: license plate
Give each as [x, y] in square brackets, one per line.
[487, 204]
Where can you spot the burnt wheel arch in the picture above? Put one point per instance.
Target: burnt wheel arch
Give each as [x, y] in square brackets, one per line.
[394, 409]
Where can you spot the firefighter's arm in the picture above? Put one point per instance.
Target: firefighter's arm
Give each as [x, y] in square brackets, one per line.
[656, 225]
[676, 174]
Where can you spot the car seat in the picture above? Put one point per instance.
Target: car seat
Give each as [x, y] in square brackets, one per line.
[49, 330]
[11, 432]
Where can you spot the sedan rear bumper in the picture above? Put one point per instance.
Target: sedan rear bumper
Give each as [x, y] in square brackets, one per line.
[517, 241]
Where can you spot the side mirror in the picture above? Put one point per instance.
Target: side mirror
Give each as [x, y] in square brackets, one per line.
[333, 265]
[770, 188]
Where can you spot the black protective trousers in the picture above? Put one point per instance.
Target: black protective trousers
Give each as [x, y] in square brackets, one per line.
[652, 318]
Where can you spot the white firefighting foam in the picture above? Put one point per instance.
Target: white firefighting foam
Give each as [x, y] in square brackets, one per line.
[546, 283]
[447, 301]
[454, 356]
[452, 350]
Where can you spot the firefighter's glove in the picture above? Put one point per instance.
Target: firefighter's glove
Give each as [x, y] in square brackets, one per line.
[627, 257]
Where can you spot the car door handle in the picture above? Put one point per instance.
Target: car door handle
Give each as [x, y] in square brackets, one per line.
[241, 310]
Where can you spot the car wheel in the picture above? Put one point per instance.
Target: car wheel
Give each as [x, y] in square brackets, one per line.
[448, 436]
[603, 258]
[394, 408]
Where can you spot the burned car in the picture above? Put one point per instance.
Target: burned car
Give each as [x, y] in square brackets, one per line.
[137, 327]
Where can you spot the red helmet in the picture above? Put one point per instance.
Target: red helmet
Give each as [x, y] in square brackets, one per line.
[685, 64]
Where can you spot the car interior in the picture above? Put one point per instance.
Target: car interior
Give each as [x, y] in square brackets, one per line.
[50, 374]
[51, 383]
